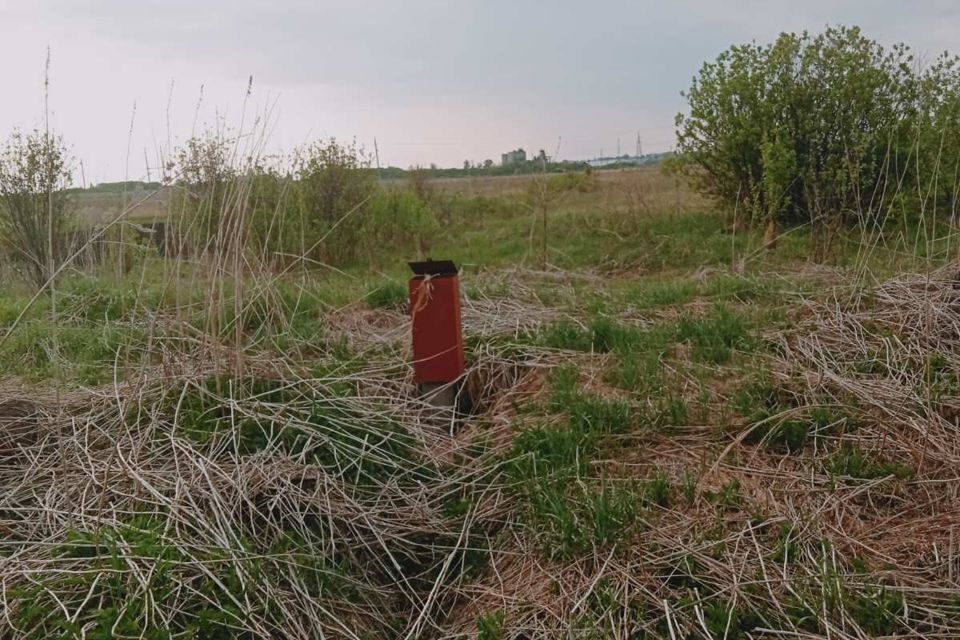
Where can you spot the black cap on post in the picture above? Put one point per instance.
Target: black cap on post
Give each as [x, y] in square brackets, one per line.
[434, 268]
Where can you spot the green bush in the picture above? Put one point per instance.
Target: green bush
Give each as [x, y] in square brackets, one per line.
[397, 219]
[35, 207]
[571, 181]
[828, 129]
[322, 204]
[333, 184]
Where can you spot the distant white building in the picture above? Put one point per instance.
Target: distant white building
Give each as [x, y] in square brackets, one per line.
[517, 156]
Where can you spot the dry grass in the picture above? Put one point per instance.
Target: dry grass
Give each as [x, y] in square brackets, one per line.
[759, 540]
[641, 190]
[752, 537]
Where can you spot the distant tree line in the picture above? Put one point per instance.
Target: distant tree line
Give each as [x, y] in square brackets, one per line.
[322, 203]
[126, 186]
[831, 130]
[485, 168]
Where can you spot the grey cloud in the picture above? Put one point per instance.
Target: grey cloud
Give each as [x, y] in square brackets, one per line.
[405, 70]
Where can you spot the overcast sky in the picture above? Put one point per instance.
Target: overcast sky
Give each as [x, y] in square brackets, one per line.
[434, 81]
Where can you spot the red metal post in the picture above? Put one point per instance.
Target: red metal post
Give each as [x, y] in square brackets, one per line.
[435, 316]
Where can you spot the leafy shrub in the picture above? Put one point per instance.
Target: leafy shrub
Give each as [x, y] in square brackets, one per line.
[828, 129]
[397, 219]
[206, 178]
[571, 181]
[321, 204]
[35, 171]
[333, 184]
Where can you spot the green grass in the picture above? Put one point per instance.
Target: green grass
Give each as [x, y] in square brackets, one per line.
[327, 428]
[714, 336]
[850, 461]
[717, 335]
[104, 321]
[656, 490]
[568, 520]
[117, 607]
[774, 418]
[742, 288]
[491, 626]
[386, 294]
[90, 354]
[728, 497]
[565, 449]
[548, 463]
[106, 601]
[667, 293]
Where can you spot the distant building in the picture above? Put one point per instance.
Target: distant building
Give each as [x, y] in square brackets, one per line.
[518, 156]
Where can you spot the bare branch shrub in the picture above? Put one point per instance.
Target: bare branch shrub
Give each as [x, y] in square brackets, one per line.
[35, 170]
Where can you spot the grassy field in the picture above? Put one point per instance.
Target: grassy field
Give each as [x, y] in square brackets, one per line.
[101, 207]
[678, 433]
